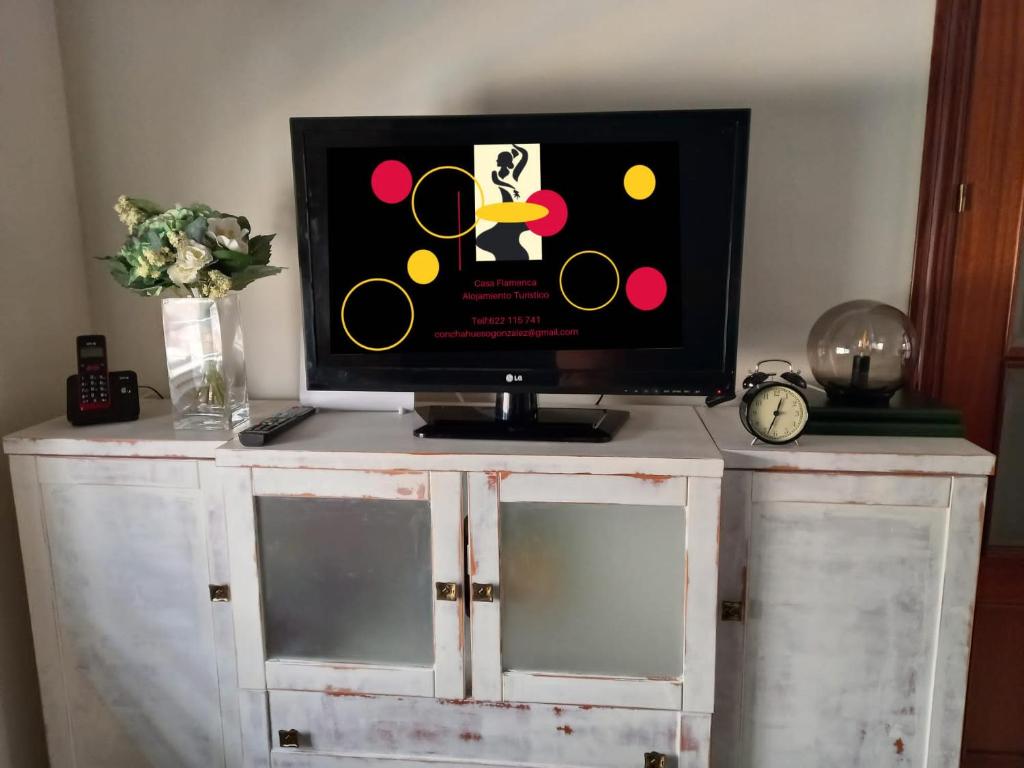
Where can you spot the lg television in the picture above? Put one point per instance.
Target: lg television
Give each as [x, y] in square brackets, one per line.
[522, 254]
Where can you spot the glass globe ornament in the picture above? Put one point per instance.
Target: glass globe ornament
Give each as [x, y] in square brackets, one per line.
[862, 351]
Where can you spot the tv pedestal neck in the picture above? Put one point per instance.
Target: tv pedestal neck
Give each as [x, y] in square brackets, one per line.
[515, 416]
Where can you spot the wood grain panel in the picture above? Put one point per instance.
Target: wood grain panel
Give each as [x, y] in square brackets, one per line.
[941, 166]
[852, 489]
[996, 722]
[991, 760]
[995, 709]
[592, 690]
[988, 233]
[485, 618]
[476, 733]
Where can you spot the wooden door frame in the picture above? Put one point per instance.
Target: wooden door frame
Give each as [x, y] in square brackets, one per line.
[962, 298]
[949, 92]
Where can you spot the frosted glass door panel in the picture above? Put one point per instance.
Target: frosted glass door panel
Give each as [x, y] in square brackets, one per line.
[592, 588]
[347, 580]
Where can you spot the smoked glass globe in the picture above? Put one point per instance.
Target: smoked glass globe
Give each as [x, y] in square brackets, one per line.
[862, 351]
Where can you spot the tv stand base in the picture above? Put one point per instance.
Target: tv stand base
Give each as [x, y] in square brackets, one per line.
[517, 417]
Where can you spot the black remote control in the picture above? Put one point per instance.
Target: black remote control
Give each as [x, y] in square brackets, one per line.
[272, 426]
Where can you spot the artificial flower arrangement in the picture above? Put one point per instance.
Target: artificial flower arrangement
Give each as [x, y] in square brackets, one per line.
[189, 250]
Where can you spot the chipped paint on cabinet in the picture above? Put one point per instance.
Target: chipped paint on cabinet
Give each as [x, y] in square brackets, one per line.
[502, 733]
[856, 634]
[118, 563]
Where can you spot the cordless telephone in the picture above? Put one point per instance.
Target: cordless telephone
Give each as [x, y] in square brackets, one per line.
[95, 394]
[93, 385]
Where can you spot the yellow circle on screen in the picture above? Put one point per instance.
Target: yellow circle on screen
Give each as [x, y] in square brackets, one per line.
[639, 182]
[423, 266]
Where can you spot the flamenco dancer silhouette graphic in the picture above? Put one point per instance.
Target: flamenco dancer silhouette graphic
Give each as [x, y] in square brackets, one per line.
[502, 239]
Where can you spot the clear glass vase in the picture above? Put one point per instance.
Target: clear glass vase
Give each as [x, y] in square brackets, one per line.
[205, 362]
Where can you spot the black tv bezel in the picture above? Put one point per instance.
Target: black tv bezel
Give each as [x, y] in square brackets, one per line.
[617, 376]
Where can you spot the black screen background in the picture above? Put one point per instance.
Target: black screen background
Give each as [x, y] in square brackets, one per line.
[602, 217]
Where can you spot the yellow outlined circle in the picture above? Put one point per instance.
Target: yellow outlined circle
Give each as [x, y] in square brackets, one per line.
[412, 314]
[419, 181]
[610, 298]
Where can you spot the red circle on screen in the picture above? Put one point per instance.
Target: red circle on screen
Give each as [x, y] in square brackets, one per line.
[558, 212]
[646, 288]
[391, 181]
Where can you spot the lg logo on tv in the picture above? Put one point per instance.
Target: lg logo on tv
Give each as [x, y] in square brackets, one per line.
[513, 377]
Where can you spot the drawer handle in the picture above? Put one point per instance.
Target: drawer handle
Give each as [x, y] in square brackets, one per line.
[447, 590]
[288, 739]
[483, 593]
[654, 760]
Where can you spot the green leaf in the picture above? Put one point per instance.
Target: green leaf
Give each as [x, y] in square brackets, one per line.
[196, 229]
[146, 206]
[154, 290]
[153, 240]
[233, 261]
[259, 249]
[119, 272]
[241, 279]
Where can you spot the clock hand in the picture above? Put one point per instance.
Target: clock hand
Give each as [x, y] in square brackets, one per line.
[776, 417]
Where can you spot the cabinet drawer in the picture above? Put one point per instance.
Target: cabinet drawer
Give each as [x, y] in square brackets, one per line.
[893, 490]
[455, 731]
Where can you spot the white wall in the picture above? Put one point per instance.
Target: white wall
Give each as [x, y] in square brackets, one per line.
[44, 305]
[184, 101]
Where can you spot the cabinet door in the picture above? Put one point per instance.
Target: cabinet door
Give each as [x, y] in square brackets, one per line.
[593, 589]
[347, 581]
[858, 601]
[116, 554]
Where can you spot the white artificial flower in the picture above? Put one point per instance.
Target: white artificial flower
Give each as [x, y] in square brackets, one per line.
[227, 232]
[181, 276]
[192, 257]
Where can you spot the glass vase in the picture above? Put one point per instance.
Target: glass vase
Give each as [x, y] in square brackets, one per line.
[205, 362]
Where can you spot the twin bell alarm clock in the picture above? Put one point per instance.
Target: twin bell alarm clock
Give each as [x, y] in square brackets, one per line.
[774, 410]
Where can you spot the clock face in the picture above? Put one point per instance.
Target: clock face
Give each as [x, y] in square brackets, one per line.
[776, 414]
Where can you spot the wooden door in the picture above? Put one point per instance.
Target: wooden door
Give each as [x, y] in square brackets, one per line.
[132, 653]
[336, 579]
[969, 242]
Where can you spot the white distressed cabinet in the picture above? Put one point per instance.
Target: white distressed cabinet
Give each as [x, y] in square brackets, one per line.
[853, 562]
[401, 602]
[123, 535]
[352, 597]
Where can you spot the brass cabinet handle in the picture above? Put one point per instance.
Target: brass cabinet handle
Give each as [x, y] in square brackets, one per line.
[654, 760]
[484, 593]
[288, 739]
[220, 593]
[447, 590]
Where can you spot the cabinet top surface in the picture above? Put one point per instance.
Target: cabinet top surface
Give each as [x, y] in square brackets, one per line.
[151, 436]
[657, 440]
[662, 440]
[844, 453]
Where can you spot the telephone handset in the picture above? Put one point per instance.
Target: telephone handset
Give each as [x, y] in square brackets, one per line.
[96, 395]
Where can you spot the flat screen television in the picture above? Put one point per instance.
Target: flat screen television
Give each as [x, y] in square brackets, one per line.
[522, 254]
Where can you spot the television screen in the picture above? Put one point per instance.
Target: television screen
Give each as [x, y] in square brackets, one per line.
[575, 253]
